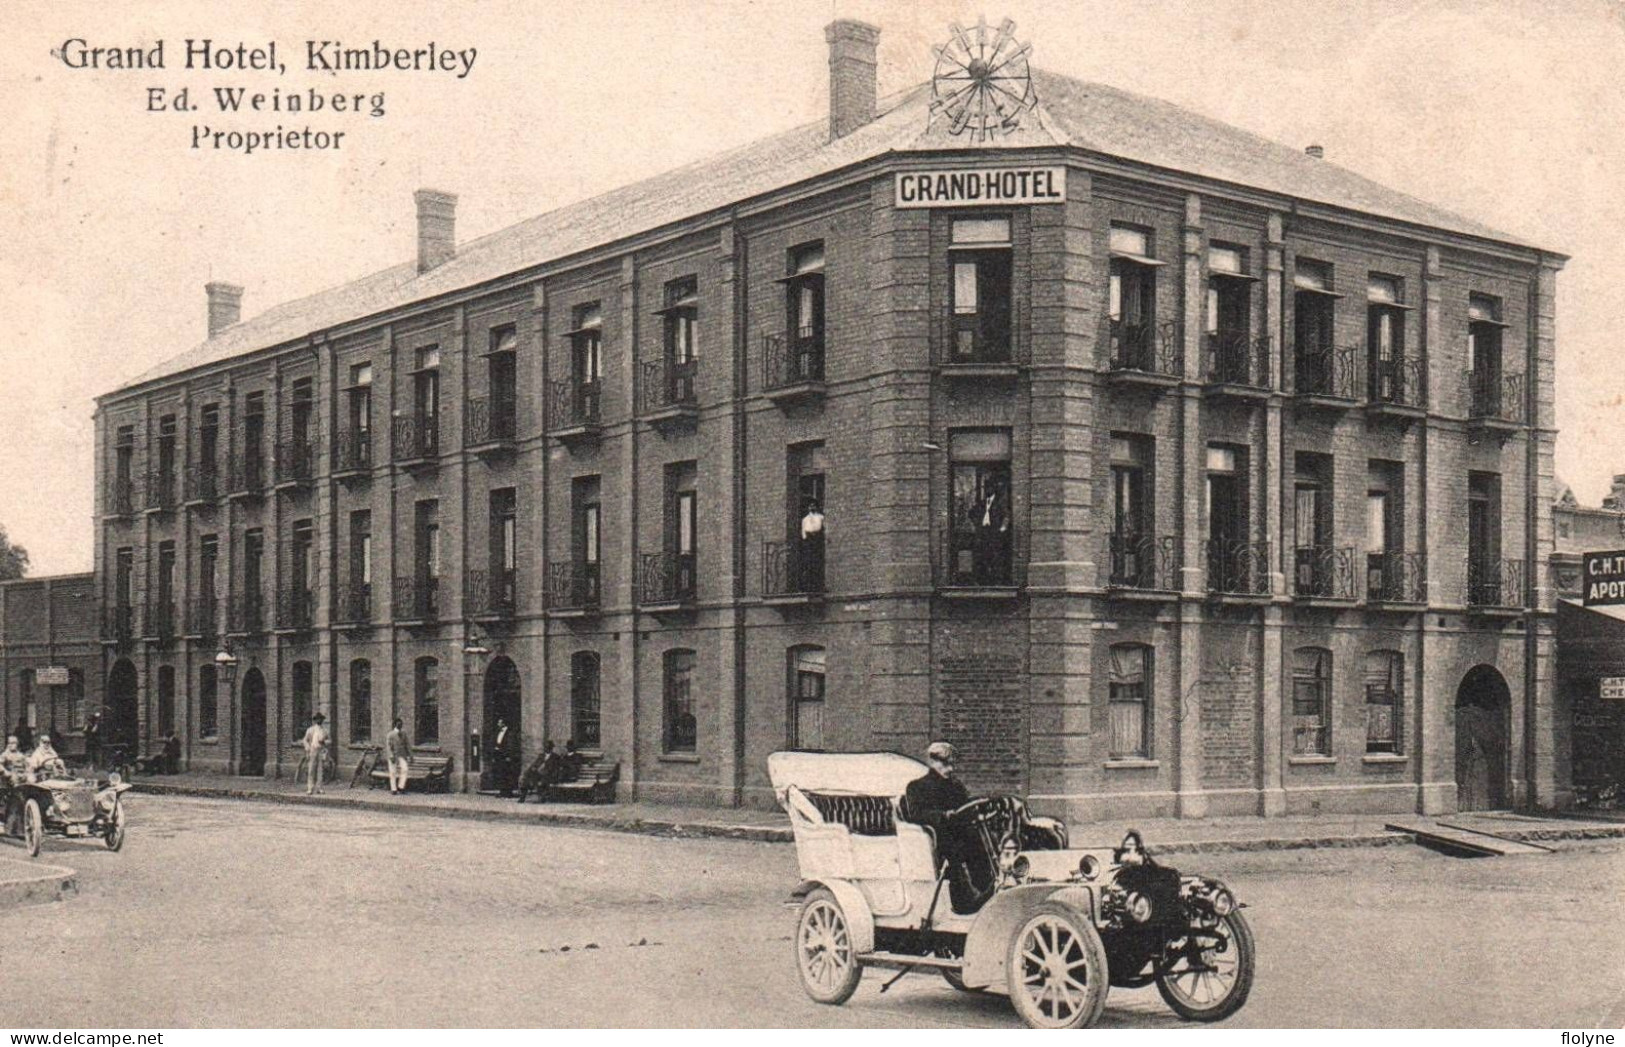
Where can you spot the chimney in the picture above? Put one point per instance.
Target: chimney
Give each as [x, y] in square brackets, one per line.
[225, 306]
[437, 228]
[1615, 499]
[1318, 152]
[851, 75]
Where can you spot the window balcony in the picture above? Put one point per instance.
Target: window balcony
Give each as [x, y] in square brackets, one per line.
[574, 410]
[247, 477]
[1144, 565]
[202, 485]
[978, 347]
[295, 464]
[1495, 402]
[491, 595]
[1324, 378]
[352, 454]
[158, 622]
[667, 393]
[353, 605]
[295, 609]
[162, 493]
[978, 563]
[574, 590]
[118, 623]
[489, 425]
[793, 367]
[245, 614]
[121, 497]
[1396, 578]
[416, 441]
[416, 600]
[1324, 574]
[202, 618]
[666, 581]
[1237, 569]
[1145, 355]
[1496, 586]
[1398, 389]
[1238, 367]
[793, 571]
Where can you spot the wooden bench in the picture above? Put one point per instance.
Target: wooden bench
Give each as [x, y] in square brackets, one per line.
[594, 782]
[432, 773]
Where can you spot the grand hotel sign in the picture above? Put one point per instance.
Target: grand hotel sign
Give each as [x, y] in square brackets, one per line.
[981, 186]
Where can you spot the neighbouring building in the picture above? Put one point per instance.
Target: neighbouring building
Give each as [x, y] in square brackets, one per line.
[51, 659]
[1590, 694]
[1162, 468]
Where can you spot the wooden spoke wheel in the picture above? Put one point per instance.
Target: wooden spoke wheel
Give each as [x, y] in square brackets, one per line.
[1057, 970]
[825, 959]
[1209, 983]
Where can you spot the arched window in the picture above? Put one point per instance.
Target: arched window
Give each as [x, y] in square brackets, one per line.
[681, 728]
[1384, 707]
[585, 726]
[166, 700]
[1311, 702]
[208, 710]
[807, 665]
[304, 694]
[360, 700]
[1129, 701]
[426, 690]
[74, 695]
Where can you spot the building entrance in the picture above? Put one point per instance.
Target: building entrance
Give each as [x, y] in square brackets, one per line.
[502, 702]
[252, 762]
[1482, 705]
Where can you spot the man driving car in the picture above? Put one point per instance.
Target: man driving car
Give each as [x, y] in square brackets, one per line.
[929, 800]
[44, 762]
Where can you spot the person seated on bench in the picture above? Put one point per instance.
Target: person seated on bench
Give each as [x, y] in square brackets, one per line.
[929, 800]
[542, 773]
[570, 766]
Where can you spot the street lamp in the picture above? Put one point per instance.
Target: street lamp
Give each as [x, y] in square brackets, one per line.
[225, 664]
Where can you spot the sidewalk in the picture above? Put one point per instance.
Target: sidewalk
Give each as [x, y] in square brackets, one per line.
[1165, 835]
[26, 881]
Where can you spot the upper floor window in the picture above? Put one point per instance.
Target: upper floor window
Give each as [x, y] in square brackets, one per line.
[980, 530]
[123, 466]
[426, 400]
[303, 409]
[587, 360]
[807, 666]
[981, 270]
[208, 455]
[1314, 305]
[502, 370]
[1384, 687]
[681, 325]
[1311, 701]
[804, 307]
[1390, 380]
[1131, 290]
[1130, 701]
[1484, 329]
[1229, 296]
[167, 443]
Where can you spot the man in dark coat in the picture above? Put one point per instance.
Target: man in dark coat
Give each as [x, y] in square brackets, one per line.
[504, 758]
[542, 772]
[928, 801]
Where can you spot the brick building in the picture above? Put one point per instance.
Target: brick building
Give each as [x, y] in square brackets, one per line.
[1164, 468]
[1590, 713]
[51, 658]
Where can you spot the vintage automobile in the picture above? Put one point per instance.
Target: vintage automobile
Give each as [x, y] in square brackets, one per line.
[1025, 914]
[65, 806]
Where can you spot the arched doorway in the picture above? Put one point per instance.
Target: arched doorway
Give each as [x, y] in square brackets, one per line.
[502, 702]
[122, 725]
[252, 729]
[1482, 706]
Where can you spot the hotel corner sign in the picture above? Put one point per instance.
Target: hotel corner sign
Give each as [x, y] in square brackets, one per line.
[981, 187]
[1603, 579]
[1611, 688]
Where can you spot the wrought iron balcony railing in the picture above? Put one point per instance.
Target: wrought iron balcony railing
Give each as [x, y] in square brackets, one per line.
[488, 421]
[162, 491]
[1394, 577]
[792, 360]
[1324, 572]
[978, 557]
[1495, 396]
[572, 404]
[793, 568]
[248, 474]
[245, 613]
[295, 461]
[1144, 561]
[574, 587]
[492, 594]
[295, 608]
[118, 622]
[1400, 382]
[202, 482]
[1497, 583]
[665, 384]
[416, 599]
[666, 578]
[1153, 349]
[202, 617]
[1237, 358]
[415, 437]
[352, 450]
[1327, 372]
[353, 603]
[120, 497]
[1238, 568]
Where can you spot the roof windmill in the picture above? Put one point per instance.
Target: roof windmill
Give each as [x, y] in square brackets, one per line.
[981, 84]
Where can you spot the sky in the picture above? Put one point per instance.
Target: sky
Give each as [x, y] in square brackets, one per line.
[1508, 111]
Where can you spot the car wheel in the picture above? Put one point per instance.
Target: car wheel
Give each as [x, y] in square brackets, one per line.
[1220, 988]
[825, 959]
[33, 827]
[114, 836]
[1057, 970]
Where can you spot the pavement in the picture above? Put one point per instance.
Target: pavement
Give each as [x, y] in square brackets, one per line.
[26, 882]
[1165, 835]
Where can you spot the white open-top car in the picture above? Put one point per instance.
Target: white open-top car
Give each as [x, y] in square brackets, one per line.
[1052, 926]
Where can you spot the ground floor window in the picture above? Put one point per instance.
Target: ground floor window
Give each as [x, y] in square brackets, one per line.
[166, 700]
[681, 727]
[1311, 701]
[360, 700]
[426, 691]
[807, 698]
[1130, 701]
[208, 709]
[304, 688]
[585, 726]
[1384, 685]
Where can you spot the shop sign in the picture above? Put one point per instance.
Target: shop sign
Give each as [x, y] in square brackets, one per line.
[51, 676]
[1612, 688]
[1603, 579]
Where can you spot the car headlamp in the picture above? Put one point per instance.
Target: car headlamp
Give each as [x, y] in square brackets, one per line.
[1138, 907]
[1088, 867]
[114, 778]
[1224, 903]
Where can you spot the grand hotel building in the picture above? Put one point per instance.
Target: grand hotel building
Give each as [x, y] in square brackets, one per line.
[1188, 474]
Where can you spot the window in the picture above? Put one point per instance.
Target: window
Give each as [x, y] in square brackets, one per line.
[1384, 688]
[585, 725]
[806, 525]
[303, 409]
[681, 729]
[980, 539]
[980, 261]
[253, 451]
[1133, 538]
[680, 320]
[356, 447]
[586, 543]
[1232, 566]
[1311, 701]
[358, 598]
[25, 694]
[165, 477]
[501, 365]
[304, 698]
[123, 469]
[1484, 580]
[208, 709]
[1313, 316]
[1314, 556]
[426, 689]
[587, 360]
[807, 698]
[427, 566]
[124, 582]
[426, 401]
[253, 567]
[1129, 700]
[677, 576]
[208, 457]
[302, 568]
[1389, 575]
[75, 698]
[1390, 380]
[208, 575]
[166, 588]
[360, 700]
[502, 552]
[1131, 294]
[166, 700]
[1228, 314]
[1484, 360]
[804, 306]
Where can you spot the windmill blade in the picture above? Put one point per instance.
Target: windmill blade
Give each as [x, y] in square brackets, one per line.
[943, 54]
[1018, 54]
[958, 32]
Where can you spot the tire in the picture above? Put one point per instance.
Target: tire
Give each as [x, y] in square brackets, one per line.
[825, 959]
[114, 834]
[33, 827]
[1057, 970]
[1211, 996]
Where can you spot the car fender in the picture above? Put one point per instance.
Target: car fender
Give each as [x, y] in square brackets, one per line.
[860, 921]
[988, 943]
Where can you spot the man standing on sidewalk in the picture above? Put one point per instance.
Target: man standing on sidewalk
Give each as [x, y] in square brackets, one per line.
[315, 751]
[398, 755]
